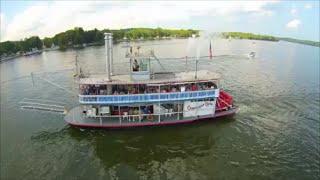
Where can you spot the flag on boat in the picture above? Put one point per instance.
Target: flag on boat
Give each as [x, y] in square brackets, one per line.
[210, 51]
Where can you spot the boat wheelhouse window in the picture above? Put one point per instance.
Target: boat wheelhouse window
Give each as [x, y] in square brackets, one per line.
[201, 100]
[135, 66]
[168, 108]
[132, 110]
[140, 65]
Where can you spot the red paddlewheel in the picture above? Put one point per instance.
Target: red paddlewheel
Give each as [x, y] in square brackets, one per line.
[224, 102]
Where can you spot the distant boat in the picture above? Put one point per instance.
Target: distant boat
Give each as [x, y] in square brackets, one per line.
[32, 52]
[251, 54]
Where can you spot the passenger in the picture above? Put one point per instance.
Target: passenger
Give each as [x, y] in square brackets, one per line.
[183, 88]
[150, 116]
[136, 113]
[174, 89]
[130, 112]
[145, 111]
[82, 89]
[194, 87]
[90, 90]
[143, 90]
[133, 91]
[100, 92]
[86, 91]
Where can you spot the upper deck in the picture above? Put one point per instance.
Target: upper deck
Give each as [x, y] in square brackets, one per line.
[164, 88]
[157, 78]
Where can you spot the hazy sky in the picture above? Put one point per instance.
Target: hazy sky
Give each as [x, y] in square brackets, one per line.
[297, 19]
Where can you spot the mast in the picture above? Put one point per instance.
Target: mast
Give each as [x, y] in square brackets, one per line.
[76, 64]
[107, 39]
[196, 74]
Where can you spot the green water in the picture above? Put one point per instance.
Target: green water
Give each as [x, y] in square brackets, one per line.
[275, 135]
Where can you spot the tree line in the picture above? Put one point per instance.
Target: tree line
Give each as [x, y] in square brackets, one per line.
[242, 35]
[306, 42]
[78, 37]
[26, 45]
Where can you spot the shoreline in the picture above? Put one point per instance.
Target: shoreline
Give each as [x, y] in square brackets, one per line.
[81, 47]
[138, 40]
[251, 36]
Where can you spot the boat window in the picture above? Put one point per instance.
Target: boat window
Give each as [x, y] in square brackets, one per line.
[139, 65]
[144, 89]
[135, 65]
[212, 85]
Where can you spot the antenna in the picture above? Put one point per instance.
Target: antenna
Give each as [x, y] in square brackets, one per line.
[196, 74]
[32, 78]
[186, 65]
[197, 59]
[76, 65]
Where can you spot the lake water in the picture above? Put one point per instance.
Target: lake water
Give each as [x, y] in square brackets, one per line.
[275, 135]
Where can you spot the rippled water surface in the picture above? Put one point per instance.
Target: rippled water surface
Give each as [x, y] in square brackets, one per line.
[275, 135]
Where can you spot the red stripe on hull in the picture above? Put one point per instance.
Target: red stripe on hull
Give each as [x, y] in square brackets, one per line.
[229, 112]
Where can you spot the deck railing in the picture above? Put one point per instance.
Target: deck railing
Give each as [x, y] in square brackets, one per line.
[152, 97]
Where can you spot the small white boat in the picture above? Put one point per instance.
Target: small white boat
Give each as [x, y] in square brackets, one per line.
[251, 54]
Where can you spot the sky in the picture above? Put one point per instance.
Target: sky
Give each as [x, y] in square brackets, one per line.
[296, 19]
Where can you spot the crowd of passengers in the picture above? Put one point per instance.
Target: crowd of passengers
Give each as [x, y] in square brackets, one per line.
[143, 89]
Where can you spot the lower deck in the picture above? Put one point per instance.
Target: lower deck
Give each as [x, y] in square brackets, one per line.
[75, 117]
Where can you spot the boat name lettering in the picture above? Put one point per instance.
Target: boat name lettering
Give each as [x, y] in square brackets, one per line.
[189, 107]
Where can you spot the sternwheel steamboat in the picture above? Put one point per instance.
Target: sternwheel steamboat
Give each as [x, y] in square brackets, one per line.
[145, 98]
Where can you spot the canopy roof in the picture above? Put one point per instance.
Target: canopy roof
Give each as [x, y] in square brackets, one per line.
[163, 78]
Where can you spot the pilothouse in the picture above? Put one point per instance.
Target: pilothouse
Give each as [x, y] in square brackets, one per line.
[144, 97]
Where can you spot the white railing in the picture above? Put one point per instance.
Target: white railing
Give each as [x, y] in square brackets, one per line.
[152, 97]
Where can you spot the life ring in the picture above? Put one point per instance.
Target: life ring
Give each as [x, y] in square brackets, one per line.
[150, 117]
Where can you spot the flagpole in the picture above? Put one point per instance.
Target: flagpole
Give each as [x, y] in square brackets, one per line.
[210, 50]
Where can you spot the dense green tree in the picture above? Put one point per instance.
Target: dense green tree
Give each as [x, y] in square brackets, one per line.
[47, 42]
[8, 47]
[33, 42]
[11, 47]
[77, 37]
[99, 37]
[241, 35]
[89, 36]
